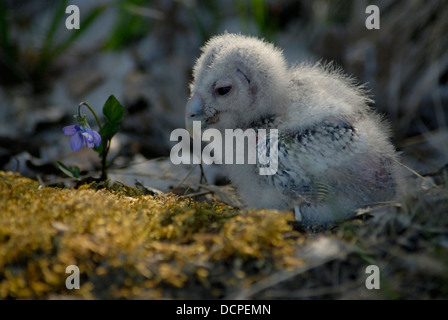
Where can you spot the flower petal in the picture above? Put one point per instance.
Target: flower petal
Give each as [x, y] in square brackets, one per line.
[88, 136]
[76, 141]
[89, 144]
[70, 130]
[96, 138]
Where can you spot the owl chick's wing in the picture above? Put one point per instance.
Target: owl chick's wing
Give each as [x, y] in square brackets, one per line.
[311, 160]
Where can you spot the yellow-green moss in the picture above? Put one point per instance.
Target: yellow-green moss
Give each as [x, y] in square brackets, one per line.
[132, 246]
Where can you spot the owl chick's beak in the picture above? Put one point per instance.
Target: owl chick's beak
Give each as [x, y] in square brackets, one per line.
[194, 111]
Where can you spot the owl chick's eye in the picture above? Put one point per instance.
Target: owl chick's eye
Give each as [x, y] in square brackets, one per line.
[222, 91]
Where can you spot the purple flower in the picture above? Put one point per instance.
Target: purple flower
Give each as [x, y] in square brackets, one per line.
[82, 136]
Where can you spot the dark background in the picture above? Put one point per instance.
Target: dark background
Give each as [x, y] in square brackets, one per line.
[143, 53]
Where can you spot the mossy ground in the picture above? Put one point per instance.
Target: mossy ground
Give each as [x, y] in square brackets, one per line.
[129, 245]
[132, 247]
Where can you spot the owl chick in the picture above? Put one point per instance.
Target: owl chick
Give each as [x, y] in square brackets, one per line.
[334, 153]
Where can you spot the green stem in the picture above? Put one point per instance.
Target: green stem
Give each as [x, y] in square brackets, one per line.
[106, 144]
[91, 110]
[105, 151]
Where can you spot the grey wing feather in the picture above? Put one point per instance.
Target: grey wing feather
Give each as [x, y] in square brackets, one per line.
[305, 156]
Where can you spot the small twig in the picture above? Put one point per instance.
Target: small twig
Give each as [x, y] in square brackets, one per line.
[195, 195]
[275, 279]
[321, 291]
[411, 170]
[202, 175]
[41, 182]
[186, 176]
[18, 164]
[92, 111]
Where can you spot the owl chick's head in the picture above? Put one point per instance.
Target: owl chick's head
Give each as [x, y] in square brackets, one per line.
[237, 80]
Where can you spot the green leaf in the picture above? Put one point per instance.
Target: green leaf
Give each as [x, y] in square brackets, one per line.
[99, 149]
[113, 110]
[71, 172]
[109, 130]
